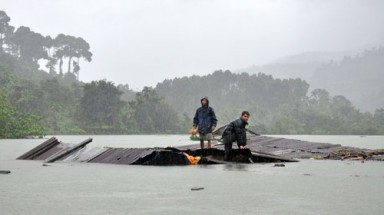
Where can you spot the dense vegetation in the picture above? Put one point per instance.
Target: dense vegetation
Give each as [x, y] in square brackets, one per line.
[357, 75]
[36, 102]
[277, 106]
[15, 124]
[90, 108]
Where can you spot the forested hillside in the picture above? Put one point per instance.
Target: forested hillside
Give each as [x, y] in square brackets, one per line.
[23, 51]
[35, 102]
[357, 75]
[276, 106]
[360, 78]
[229, 91]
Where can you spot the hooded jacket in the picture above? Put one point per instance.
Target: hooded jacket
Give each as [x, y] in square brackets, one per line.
[236, 130]
[205, 118]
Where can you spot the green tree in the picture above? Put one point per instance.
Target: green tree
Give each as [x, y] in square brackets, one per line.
[14, 124]
[379, 117]
[152, 114]
[58, 107]
[100, 107]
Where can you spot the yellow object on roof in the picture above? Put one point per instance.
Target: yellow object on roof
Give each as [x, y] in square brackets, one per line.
[192, 160]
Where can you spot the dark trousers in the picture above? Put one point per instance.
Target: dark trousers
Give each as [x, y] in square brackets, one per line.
[228, 141]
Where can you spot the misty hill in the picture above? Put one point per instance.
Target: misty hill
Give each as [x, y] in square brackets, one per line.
[360, 78]
[301, 65]
[55, 100]
[276, 106]
[22, 68]
[231, 93]
[315, 57]
[352, 74]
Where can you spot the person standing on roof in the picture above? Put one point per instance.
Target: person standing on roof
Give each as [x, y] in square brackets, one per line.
[205, 120]
[235, 131]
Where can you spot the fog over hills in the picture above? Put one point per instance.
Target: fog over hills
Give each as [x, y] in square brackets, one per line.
[141, 43]
[358, 74]
[301, 65]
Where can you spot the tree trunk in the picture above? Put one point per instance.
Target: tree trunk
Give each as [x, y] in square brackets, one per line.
[1, 42]
[69, 64]
[61, 66]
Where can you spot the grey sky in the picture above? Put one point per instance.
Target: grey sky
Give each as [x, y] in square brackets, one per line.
[143, 42]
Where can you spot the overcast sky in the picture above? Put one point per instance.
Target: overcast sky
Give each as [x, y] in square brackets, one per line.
[143, 42]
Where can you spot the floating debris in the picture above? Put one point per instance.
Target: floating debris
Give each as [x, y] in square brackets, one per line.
[197, 188]
[5, 172]
[356, 154]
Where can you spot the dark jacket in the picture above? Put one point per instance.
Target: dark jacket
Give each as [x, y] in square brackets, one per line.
[237, 130]
[205, 119]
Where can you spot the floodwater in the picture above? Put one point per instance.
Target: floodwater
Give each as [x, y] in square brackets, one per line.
[305, 187]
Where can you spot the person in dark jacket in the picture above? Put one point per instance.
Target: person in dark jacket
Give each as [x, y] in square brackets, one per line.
[205, 120]
[235, 131]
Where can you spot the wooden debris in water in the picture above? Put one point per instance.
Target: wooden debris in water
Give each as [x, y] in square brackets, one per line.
[5, 172]
[197, 188]
[358, 155]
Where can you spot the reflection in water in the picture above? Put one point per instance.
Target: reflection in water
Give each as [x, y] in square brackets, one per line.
[228, 167]
[236, 167]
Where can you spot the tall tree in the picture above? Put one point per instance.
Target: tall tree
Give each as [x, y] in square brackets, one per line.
[52, 61]
[30, 45]
[6, 30]
[71, 47]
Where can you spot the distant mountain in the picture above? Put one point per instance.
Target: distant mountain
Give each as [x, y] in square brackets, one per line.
[303, 70]
[315, 57]
[360, 78]
[301, 65]
[357, 75]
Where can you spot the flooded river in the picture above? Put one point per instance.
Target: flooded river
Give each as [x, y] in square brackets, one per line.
[305, 187]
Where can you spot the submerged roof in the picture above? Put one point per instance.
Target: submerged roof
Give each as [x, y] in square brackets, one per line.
[53, 150]
[259, 149]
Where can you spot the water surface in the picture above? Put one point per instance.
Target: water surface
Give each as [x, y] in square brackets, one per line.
[305, 187]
